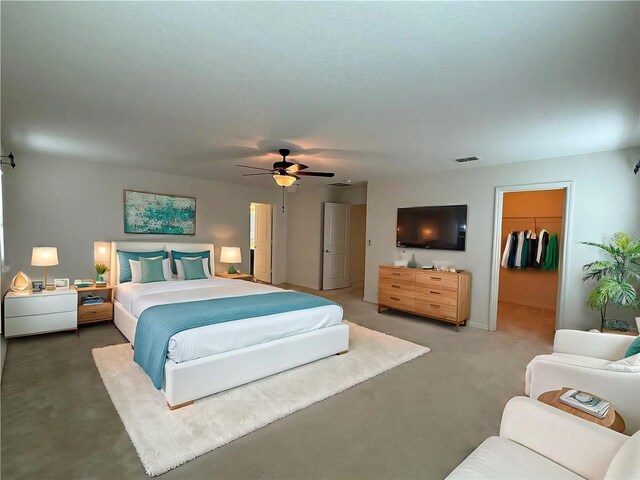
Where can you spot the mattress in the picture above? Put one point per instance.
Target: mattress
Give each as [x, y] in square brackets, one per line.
[227, 336]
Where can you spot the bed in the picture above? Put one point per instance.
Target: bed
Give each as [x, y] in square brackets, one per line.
[209, 359]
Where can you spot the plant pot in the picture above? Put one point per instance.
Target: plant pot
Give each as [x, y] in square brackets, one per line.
[99, 278]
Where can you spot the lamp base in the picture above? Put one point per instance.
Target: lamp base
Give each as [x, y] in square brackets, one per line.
[232, 270]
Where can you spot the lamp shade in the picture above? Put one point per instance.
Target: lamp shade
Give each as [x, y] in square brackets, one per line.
[44, 256]
[230, 255]
[102, 252]
[284, 180]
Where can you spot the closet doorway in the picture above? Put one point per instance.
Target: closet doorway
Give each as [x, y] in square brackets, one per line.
[530, 250]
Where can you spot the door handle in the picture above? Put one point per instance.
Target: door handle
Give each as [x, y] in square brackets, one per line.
[327, 251]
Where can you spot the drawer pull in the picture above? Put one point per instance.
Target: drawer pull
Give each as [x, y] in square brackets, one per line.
[436, 278]
[395, 298]
[435, 293]
[434, 306]
[395, 286]
[395, 273]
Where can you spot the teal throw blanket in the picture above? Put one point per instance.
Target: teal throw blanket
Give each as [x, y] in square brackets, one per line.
[159, 323]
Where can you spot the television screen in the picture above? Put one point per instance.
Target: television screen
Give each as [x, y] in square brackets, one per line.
[438, 228]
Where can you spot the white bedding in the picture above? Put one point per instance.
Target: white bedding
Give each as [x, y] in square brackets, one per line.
[227, 336]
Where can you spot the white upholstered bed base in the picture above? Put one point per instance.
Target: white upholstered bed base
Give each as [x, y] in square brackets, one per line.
[188, 381]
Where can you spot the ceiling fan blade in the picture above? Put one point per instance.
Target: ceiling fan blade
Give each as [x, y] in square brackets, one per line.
[255, 168]
[253, 174]
[317, 174]
[296, 167]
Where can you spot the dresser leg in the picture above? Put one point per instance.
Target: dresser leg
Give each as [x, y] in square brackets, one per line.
[457, 328]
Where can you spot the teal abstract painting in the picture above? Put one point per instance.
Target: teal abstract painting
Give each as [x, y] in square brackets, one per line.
[160, 214]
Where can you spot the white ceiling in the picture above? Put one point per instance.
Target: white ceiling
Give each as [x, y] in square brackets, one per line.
[362, 89]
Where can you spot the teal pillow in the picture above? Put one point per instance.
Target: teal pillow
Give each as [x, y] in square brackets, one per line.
[193, 269]
[151, 270]
[178, 256]
[633, 348]
[124, 257]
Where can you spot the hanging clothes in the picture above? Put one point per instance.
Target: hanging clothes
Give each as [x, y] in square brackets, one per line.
[531, 251]
[552, 254]
[518, 260]
[511, 262]
[507, 250]
[525, 249]
[543, 242]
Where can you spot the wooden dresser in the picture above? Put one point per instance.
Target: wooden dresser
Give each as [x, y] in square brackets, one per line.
[441, 295]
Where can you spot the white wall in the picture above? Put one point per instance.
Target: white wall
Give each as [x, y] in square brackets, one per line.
[304, 228]
[70, 204]
[605, 201]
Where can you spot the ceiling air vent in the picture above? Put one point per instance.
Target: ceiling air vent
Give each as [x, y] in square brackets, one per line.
[467, 159]
[346, 183]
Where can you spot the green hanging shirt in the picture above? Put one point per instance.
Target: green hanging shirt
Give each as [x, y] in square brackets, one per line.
[551, 258]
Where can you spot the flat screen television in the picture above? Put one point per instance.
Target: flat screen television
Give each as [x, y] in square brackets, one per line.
[437, 228]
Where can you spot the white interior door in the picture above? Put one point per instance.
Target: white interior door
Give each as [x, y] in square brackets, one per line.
[335, 256]
[262, 252]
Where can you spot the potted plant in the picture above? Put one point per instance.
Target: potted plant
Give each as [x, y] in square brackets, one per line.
[101, 269]
[616, 277]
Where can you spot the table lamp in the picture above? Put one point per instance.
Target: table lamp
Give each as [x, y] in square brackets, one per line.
[230, 255]
[44, 257]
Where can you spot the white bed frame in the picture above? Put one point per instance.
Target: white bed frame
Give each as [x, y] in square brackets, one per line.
[187, 381]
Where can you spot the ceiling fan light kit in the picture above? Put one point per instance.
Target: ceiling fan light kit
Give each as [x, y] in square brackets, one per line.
[284, 180]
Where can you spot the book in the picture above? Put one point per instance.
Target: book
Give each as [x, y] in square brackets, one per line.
[585, 402]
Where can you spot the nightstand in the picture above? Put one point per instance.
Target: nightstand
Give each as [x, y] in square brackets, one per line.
[34, 313]
[236, 276]
[97, 312]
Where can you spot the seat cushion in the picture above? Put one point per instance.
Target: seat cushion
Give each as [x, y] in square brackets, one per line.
[500, 458]
[626, 463]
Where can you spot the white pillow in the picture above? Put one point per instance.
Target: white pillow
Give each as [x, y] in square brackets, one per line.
[626, 365]
[205, 267]
[136, 269]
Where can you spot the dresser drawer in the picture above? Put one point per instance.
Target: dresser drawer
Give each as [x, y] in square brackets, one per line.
[436, 310]
[442, 296]
[435, 279]
[38, 304]
[30, 324]
[396, 285]
[404, 274]
[93, 313]
[399, 300]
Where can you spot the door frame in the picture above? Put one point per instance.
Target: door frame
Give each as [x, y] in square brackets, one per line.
[497, 246]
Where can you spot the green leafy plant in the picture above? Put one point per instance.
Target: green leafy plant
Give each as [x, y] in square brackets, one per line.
[616, 276]
[101, 268]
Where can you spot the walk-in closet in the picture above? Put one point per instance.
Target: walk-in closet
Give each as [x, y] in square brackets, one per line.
[532, 223]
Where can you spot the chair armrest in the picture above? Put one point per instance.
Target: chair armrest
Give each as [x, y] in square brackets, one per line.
[576, 444]
[592, 344]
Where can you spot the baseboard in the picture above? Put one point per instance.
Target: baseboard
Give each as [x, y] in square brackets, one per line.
[526, 304]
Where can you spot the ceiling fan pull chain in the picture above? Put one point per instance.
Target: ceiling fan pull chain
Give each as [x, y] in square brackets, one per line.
[282, 199]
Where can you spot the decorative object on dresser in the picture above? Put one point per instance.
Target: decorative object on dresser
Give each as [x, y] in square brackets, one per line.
[441, 295]
[231, 255]
[236, 276]
[44, 257]
[95, 304]
[21, 283]
[146, 212]
[49, 311]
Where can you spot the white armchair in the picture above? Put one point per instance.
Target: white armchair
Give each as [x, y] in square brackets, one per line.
[539, 441]
[579, 360]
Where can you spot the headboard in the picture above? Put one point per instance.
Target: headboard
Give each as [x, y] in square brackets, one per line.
[152, 247]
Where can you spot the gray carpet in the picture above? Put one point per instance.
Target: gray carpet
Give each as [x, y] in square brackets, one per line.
[418, 420]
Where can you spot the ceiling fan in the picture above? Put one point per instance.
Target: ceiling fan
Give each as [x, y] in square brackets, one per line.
[284, 172]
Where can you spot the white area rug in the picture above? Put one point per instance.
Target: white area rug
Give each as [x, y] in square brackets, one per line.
[165, 439]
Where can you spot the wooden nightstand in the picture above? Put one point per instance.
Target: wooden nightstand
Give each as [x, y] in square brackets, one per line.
[236, 276]
[99, 312]
[49, 311]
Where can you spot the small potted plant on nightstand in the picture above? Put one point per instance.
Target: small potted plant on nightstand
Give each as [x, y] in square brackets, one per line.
[616, 277]
[101, 269]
